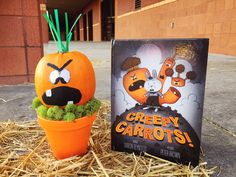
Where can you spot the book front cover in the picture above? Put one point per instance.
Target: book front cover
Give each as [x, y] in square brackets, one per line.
[157, 97]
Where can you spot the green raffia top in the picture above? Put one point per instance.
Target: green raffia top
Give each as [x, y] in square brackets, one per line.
[55, 30]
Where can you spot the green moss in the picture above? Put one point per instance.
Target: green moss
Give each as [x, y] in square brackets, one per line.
[92, 106]
[50, 113]
[36, 103]
[55, 113]
[79, 111]
[69, 117]
[42, 111]
[70, 108]
[80, 108]
[58, 113]
[95, 104]
[69, 113]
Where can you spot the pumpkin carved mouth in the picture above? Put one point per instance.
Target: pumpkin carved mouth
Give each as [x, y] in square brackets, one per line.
[61, 96]
[136, 85]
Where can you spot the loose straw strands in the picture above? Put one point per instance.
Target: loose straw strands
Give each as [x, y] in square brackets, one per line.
[24, 151]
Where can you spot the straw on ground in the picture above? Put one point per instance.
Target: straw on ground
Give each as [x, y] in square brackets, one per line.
[24, 151]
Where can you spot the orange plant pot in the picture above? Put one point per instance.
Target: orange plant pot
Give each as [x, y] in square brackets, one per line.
[67, 139]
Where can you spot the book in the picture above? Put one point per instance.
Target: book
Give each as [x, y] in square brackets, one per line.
[157, 95]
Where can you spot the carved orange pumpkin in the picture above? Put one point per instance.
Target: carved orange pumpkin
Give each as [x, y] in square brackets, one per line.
[64, 78]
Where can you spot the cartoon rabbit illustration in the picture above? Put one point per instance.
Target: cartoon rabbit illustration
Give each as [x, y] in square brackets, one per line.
[153, 87]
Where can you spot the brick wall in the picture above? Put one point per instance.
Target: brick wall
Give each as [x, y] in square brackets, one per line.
[124, 6]
[20, 40]
[95, 5]
[214, 19]
[149, 2]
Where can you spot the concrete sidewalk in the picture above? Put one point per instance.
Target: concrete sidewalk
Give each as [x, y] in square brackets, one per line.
[219, 124]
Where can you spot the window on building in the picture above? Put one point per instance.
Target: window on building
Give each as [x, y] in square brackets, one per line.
[137, 4]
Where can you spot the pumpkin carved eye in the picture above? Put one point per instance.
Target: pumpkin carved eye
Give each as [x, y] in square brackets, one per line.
[65, 74]
[53, 76]
[56, 76]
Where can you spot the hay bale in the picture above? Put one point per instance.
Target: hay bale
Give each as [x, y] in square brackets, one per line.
[25, 151]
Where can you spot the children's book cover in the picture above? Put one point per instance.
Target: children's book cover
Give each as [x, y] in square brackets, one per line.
[157, 97]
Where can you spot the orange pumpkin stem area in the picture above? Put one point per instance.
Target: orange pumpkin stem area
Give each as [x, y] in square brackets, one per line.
[67, 139]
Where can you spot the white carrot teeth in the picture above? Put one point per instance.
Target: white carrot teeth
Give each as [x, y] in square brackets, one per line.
[70, 102]
[48, 93]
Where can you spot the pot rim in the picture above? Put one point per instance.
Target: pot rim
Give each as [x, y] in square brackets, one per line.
[60, 125]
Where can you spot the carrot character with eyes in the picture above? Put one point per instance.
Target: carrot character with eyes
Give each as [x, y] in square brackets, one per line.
[180, 81]
[168, 64]
[172, 95]
[134, 79]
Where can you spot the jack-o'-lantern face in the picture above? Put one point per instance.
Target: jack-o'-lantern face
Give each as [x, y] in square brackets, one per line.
[168, 63]
[64, 78]
[133, 82]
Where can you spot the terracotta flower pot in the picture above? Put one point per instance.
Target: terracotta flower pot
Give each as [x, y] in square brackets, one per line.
[67, 139]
